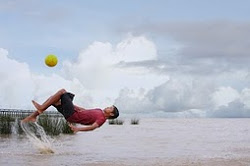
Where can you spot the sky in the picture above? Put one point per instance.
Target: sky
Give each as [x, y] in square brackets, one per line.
[154, 58]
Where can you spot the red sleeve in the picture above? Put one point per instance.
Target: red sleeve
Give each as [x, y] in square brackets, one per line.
[100, 121]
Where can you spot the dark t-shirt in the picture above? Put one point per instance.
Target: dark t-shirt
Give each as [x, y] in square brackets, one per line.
[87, 117]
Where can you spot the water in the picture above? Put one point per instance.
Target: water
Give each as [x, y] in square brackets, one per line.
[152, 142]
[37, 136]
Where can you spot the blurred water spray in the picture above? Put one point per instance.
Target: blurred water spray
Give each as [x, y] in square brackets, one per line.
[38, 137]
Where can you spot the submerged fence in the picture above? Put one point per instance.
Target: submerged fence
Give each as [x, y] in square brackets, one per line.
[18, 113]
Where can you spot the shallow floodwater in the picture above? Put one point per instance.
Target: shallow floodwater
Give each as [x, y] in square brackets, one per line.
[152, 142]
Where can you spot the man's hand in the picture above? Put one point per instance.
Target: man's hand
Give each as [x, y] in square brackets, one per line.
[73, 128]
[88, 128]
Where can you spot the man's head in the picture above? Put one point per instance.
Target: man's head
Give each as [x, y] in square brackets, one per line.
[111, 112]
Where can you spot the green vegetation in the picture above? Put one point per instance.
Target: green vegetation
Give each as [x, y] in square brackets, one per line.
[134, 121]
[116, 122]
[52, 125]
[6, 123]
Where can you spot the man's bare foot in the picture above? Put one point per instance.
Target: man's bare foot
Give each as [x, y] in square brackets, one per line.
[37, 106]
[31, 117]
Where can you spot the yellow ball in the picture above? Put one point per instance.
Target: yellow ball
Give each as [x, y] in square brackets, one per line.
[51, 60]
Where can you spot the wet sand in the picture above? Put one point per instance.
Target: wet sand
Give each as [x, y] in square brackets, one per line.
[208, 142]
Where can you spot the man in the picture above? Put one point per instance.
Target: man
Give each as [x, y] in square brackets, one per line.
[63, 102]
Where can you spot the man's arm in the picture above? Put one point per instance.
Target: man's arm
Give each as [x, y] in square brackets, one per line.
[88, 128]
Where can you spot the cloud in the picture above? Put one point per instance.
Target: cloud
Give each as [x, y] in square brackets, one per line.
[186, 97]
[35, 10]
[201, 48]
[224, 95]
[221, 45]
[234, 109]
[19, 85]
[16, 85]
[45, 86]
[95, 76]
[173, 96]
[104, 67]
[245, 97]
[134, 49]
[131, 75]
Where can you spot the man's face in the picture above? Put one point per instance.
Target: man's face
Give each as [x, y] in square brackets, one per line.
[109, 110]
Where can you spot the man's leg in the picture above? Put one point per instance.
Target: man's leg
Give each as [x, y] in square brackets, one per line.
[31, 117]
[54, 99]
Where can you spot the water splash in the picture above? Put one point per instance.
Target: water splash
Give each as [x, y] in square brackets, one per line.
[14, 128]
[38, 137]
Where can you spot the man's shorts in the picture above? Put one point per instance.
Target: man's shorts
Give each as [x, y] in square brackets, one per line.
[66, 108]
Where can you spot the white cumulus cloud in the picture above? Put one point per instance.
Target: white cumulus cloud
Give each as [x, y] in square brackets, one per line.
[95, 76]
[97, 67]
[224, 95]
